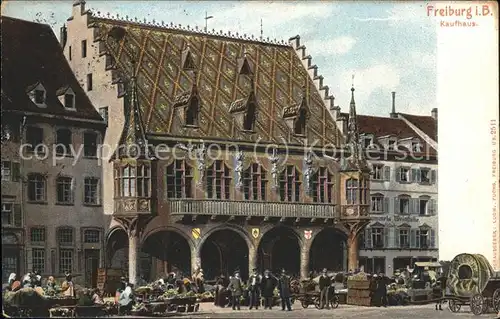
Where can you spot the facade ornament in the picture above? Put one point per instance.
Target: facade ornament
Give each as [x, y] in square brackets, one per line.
[240, 156]
[308, 171]
[274, 168]
[201, 154]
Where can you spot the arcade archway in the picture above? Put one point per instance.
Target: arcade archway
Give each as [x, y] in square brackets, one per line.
[223, 252]
[117, 249]
[169, 252]
[279, 249]
[328, 250]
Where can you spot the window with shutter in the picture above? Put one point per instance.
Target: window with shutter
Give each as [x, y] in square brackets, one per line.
[368, 238]
[434, 206]
[386, 205]
[397, 237]
[432, 239]
[433, 176]
[418, 175]
[387, 173]
[16, 172]
[398, 174]
[18, 216]
[413, 238]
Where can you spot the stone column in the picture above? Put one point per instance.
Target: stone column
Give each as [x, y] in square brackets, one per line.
[352, 251]
[133, 248]
[252, 259]
[195, 258]
[304, 259]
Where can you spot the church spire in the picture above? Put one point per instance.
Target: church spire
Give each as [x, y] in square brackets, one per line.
[133, 141]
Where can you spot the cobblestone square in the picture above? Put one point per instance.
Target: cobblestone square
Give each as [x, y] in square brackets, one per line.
[344, 311]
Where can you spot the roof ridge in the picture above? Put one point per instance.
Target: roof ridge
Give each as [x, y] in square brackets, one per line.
[312, 70]
[188, 29]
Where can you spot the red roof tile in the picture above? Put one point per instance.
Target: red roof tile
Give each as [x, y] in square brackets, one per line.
[426, 123]
[32, 54]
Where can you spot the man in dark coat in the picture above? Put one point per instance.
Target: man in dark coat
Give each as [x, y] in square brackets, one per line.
[254, 289]
[382, 290]
[324, 286]
[236, 288]
[267, 285]
[284, 288]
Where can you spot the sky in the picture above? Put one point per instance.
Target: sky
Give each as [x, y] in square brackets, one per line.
[387, 46]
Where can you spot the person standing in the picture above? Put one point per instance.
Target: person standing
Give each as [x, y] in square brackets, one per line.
[284, 288]
[254, 289]
[267, 285]
[236, 288]
[324, 287]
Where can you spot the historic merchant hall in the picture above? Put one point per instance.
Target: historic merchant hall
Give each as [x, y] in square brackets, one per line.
[219, 157]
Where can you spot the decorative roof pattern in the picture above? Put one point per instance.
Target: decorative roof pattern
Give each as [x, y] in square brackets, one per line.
[32, 55]
[276, 76]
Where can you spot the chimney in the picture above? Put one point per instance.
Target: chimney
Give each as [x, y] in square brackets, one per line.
[393, 112]
[434, 113]
[63, 36]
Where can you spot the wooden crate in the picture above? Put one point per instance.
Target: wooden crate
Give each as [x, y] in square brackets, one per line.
[358, 293]
[358, 284]
[356, 301]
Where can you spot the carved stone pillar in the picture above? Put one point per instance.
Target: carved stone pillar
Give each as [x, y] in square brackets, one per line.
[352, 251]
[133, 252]
[304, 259]
[195, 258]
[134, 226]
[252, 259]
[355, 227]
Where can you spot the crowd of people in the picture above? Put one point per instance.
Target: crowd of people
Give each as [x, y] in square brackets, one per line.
[260, 289]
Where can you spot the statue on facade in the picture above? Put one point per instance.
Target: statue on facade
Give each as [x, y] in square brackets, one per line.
[274, 168]
[308, 171]
[239, 169]
[201, 154]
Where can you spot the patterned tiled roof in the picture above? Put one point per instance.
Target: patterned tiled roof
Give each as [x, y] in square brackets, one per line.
[277, 77]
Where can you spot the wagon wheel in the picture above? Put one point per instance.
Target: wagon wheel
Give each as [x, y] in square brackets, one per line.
[477, 304]
[304, 304]
[496, 300]
[334, 302]
[295, 286]
[317, 302]
[454, 306]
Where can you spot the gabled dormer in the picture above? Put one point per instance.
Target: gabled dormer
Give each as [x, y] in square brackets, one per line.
[189, 102]
[66, 96]
[366, 140]
[245, 112]
[37, 94]
[244, 65]
[389, 142]
[296, 115]
[189, 105]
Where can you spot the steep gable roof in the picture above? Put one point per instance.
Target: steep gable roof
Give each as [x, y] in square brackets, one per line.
[32, 55]
[278, 76]
[384, 126]
[426, 123]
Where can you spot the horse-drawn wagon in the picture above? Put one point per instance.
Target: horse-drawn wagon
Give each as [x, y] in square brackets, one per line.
[472, 282]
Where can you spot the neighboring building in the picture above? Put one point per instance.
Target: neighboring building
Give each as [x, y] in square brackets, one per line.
[402, 152]
[189, 206]
[52, 218]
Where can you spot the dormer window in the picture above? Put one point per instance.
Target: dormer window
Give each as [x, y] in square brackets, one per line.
[391, 145]
[416, 146]
[367, 142]
[69, 101]
[300, 123]
[192, 112]
[37, 94]
[66, 97]
[249, 118]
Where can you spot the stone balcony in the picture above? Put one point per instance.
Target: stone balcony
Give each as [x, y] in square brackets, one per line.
[231, 208]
